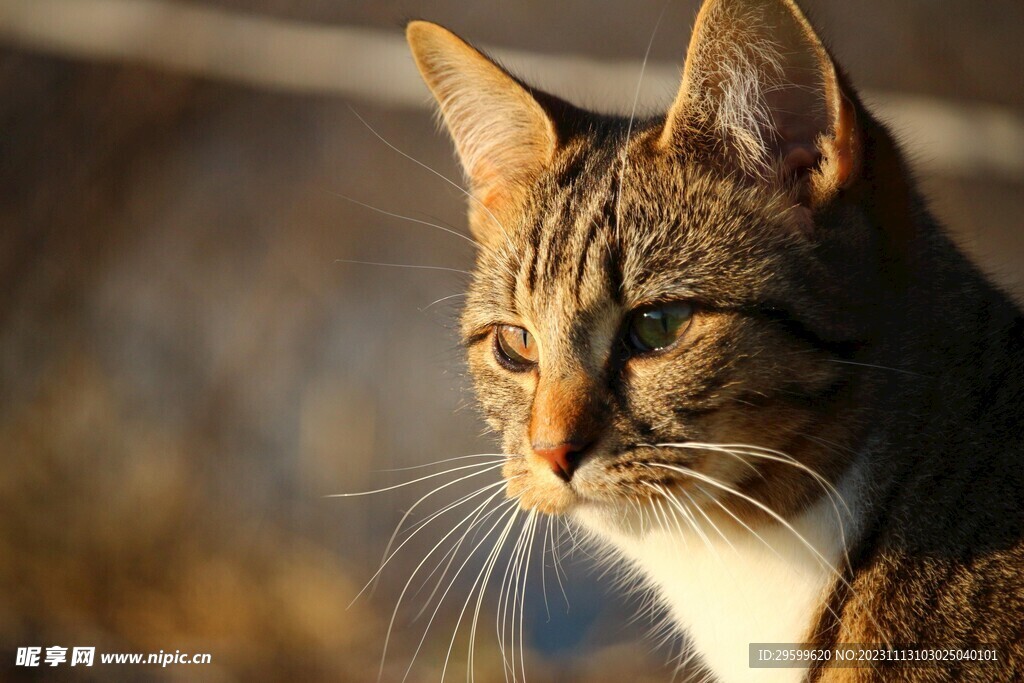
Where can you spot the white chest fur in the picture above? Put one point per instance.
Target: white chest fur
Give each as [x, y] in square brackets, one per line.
[729, 589]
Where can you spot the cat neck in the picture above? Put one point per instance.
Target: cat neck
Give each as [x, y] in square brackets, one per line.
[727, 587]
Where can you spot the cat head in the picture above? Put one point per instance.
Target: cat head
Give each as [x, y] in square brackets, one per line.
[673, 303]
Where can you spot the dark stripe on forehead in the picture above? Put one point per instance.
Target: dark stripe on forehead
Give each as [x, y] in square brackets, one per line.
[528, 262]
[613, 252]
[613, 270]
[533, 240]
[581, 261]
[561, 232]
[603, 222]
[511, 275]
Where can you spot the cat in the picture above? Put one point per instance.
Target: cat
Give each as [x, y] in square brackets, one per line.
[732, 344]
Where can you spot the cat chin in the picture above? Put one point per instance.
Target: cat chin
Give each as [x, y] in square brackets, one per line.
[556, 506]
[610, 520]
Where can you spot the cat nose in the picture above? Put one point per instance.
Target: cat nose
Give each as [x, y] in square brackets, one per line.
[563, 457]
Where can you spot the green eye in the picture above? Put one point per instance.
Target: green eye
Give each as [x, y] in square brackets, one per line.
[515, 348]
[658, 327]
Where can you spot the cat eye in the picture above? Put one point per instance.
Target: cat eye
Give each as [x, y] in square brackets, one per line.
[515, 348]
[658, 327]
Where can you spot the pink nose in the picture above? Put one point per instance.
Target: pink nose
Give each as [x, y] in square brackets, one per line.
[563, 457]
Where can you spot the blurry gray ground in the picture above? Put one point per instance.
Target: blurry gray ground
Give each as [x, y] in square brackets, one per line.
[186, 369]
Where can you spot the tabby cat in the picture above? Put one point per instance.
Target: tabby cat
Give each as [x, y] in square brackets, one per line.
[732, 344]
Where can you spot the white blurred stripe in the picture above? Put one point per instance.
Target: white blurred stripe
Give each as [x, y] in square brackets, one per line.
[962, 138]
[374, 65]
[242, 48]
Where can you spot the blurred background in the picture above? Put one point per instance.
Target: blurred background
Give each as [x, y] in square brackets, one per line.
[190, 362]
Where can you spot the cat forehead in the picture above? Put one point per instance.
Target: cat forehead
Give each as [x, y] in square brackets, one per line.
[603, 226]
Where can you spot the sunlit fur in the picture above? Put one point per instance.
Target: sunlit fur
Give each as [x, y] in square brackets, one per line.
[842, 360]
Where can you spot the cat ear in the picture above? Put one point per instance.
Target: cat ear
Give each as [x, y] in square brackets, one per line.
[761, 91]
[503, 136]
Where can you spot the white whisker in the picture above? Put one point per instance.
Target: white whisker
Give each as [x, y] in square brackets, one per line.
[439, 462]
[470, 195]
[709, 520]
[778, 456]
[543, 566]
[632, 116]
[401, 595]
[402, 265]
[492, 562]
[764, 454]
[388, 555]
[872, 365]
[443, 298]
[753, 501]
[450, 556]
[531, 522]
[490, 466]
[556, 542]
[455, 576]
[511, 591]
[483, 575]
[406, 218]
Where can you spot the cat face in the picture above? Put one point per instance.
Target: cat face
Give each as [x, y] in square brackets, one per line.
[658, 305]
[658, 312]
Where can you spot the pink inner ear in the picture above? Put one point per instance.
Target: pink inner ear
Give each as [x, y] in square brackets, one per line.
[798, 124]
[799, 158]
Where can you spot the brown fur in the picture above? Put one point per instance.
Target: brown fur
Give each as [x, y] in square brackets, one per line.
[834, 321]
